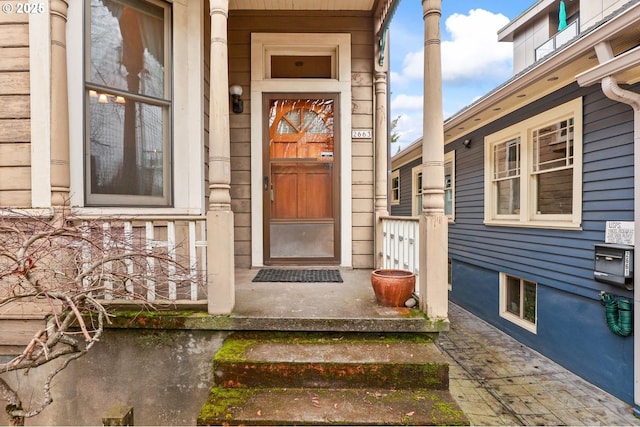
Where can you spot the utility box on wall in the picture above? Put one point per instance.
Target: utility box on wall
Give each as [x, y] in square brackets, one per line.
[613, 264]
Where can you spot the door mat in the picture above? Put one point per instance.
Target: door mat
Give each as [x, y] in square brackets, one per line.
[279, 275]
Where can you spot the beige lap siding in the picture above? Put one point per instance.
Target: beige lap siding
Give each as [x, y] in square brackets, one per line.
[15, 135]
[359, 25]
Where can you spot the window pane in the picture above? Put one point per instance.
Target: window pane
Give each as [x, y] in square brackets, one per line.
[529, 312]
[126, 146]
[506, 159]
[513, 295]
[395, 188]
[448, 188]
[128, 46]
[419, 192]
[301, 67]
[508, 196]
[555, 192]
[287, 127]
[553, 146]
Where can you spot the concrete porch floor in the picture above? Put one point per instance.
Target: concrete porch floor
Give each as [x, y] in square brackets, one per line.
[346, 306]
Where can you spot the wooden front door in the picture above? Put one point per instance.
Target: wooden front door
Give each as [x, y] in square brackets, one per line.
[301, 196]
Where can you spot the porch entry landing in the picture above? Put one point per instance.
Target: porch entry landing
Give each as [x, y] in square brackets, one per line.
[349, 306]
[303, 275]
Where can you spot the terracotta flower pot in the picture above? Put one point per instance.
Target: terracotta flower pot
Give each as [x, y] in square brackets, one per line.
[393, 287]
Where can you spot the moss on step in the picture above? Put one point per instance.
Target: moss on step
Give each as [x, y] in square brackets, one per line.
[236, 345]
[220, 403]
[278, 406]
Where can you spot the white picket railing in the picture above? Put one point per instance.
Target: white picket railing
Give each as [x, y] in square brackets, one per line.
[400, 243]
[183, 237]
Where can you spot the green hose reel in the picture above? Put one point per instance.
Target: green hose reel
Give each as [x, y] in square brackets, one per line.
[619, 314]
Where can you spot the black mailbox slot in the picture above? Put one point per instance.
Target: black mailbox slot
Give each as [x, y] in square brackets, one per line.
[613, 264]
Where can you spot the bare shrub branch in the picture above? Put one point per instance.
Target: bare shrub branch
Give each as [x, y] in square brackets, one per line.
[74, 268]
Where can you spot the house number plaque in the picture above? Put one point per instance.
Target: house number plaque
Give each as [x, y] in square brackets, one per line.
[361, 133]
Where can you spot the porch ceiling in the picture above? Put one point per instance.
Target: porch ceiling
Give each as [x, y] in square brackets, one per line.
[302, 4]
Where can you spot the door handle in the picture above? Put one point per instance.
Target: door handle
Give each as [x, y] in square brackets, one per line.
[266, 183]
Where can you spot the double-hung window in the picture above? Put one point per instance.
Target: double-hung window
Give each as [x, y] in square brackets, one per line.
[449, 187]
[533, 175]
[449, 184]
[395, 187]
[128, 103]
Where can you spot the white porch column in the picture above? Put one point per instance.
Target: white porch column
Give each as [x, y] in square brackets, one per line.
[381, 156]
[60, 173]
[433, 222]
[220, 252]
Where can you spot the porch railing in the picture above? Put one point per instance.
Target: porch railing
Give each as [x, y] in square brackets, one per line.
[400, 243]
[181, 239]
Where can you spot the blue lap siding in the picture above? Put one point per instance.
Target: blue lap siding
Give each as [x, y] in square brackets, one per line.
[571, 327]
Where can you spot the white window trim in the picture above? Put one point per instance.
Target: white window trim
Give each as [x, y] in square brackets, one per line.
[188, 113]
[262, 45]
[450, 157]
[395, 174]
[525, 324]
[523, 130]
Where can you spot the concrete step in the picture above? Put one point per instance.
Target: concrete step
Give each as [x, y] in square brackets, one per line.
[294, 378]
[393, 361]
[313, 406]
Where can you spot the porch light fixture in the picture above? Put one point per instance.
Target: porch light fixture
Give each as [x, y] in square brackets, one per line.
[467, 143]
[236, 102]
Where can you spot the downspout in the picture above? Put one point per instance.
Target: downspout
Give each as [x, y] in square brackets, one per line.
[613, 91]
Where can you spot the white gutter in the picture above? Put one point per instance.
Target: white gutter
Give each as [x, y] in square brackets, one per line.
[610, 65]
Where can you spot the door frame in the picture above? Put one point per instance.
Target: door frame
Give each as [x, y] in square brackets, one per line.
[262, 46]
[335, 182]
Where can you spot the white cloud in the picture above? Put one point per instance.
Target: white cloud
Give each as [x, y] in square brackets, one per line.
[409, 129]
[407, 102]
[472, 52]
[473, 61]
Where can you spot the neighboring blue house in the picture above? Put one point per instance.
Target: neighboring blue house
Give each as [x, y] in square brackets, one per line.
[535, 172]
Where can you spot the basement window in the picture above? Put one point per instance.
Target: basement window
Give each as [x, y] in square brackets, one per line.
[518, 301]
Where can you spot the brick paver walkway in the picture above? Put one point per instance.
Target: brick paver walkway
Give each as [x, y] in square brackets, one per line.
[498, 381]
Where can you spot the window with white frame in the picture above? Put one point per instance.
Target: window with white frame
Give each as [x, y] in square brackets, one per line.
[416, 190]
[128, 101]
[449, 184]
[449, 187]
[533, 174]
[395, 187]
[518, 301]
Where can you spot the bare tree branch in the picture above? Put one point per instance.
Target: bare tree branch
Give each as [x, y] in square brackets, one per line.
[73, 268]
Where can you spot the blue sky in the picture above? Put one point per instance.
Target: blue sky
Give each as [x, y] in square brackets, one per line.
[473, 61]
